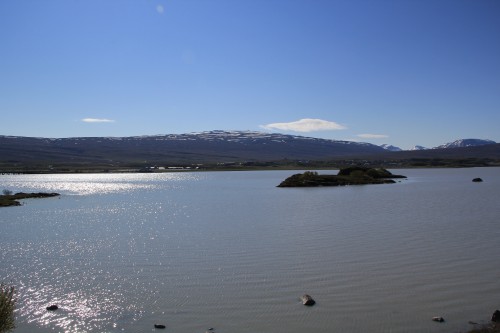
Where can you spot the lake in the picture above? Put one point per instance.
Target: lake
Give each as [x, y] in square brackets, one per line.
[231, 251]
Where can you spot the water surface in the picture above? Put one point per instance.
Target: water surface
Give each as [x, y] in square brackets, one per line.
[230, 250]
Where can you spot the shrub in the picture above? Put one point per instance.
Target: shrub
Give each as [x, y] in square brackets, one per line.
[6, 192]
[7, 305]
[357, 174]
[309, 174]
[350, 170]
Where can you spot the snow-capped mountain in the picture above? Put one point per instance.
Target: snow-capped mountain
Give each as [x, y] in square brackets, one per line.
[390, 147]
[456, 144]
[417, 147]
[465, 143]
[210, 146]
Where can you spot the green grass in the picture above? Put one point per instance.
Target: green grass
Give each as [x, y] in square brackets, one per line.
[7, 305]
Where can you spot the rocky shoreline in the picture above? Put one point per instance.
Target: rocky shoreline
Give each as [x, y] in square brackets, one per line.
[493, 327]
[7, 200]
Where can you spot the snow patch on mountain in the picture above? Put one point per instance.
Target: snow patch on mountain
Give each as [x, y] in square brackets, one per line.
[465, 143]
[390, 147]
[417, 147]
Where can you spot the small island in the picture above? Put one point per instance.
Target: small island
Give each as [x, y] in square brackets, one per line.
[12, 199]
[345, 176]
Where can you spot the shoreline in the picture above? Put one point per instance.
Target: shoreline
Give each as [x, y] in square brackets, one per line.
[9, 200]
[159, 167]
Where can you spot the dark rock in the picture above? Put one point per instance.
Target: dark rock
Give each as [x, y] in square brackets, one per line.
[438, 319]
[52, 307]
[496, 316]
[307, 300]
[11, 199]
[477, 180]
[161, 326]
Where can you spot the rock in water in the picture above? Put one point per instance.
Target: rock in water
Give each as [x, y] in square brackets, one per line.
[161, 326]
[496, 316]
[477, 180]
[307, 300]
[52, 307]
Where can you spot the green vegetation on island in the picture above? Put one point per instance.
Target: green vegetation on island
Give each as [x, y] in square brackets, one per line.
[9, 199]
[346, 176]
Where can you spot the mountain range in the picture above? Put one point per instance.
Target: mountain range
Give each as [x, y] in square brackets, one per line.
[213, 147]
[455, 144]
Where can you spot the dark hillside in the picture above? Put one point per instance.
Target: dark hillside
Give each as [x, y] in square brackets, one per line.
[486, 151]
[216, 147]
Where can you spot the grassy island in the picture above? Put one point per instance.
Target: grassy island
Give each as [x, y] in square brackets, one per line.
[346, 176]
[12, 199]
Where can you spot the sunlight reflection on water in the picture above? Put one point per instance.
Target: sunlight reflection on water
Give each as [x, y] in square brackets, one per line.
[88, 184]
[232, 251]
[68, 262]
[81, 280]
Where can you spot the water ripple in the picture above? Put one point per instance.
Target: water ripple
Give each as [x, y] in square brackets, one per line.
[231, 251]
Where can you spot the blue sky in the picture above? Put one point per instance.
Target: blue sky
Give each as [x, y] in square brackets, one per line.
[403, 72]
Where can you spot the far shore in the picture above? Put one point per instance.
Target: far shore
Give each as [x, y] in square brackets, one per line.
[285, 164]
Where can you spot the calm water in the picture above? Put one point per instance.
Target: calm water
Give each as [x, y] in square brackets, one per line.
[229, 250]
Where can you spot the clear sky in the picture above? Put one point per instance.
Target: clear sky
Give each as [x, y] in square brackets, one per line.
[403, 72]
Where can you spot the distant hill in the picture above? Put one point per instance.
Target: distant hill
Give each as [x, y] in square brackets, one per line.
[390, 147]
[466, 143]
[417, 147]
[491, 151]
[210, 147]
[459, 144]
